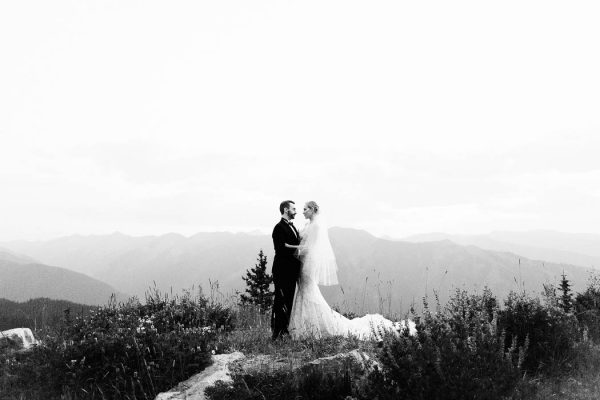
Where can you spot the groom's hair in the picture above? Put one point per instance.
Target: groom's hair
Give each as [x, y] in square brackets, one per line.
[285, 204]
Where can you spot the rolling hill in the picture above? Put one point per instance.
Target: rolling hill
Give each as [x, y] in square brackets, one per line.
[21, 280]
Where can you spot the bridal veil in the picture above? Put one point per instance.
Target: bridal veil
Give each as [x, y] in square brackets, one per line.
[318, 260]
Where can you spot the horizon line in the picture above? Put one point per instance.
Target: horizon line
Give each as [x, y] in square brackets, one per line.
[259, 231]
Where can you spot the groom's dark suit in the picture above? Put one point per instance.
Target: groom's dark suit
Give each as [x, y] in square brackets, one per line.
[286, 268]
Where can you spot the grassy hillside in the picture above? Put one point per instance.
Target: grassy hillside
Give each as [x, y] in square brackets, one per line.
[39, 314]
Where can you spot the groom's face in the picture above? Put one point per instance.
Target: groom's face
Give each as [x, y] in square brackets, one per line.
[291, 211]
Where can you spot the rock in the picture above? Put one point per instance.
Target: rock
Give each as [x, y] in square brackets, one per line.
[269, 364]
[264, 363]
[23, 336]
[193, 388]
[360, 358]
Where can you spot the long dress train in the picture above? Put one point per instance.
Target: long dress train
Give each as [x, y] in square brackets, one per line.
[311, 315]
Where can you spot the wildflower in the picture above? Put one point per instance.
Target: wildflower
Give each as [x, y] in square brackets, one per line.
[471, 344]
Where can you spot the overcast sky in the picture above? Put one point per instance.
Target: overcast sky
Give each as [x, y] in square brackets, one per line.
[398, 117]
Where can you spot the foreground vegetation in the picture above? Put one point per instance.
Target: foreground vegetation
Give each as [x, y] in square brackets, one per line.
[130, 350]
[474, 347]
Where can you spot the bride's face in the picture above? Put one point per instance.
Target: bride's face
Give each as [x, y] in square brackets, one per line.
[307, 212]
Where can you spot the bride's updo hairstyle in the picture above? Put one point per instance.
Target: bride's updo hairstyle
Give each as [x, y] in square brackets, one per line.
[313, 206]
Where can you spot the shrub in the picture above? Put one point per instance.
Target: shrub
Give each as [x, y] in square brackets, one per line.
[550, 330]
[457, 353]
[580, 381]
[587, 308]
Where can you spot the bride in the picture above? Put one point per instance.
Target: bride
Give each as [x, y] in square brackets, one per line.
[311, 315]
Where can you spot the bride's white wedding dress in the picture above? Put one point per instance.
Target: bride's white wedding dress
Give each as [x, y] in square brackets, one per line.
[311, 315]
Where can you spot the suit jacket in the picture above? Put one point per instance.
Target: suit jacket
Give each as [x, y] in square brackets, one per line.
[285, 263]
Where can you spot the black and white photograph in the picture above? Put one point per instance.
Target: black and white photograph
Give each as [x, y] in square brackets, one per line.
[307, 200]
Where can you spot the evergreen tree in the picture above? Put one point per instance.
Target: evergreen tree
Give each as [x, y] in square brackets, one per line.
[258, 282]
[566, 299]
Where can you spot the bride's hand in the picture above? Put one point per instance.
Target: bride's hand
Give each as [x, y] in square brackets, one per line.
[291, 246]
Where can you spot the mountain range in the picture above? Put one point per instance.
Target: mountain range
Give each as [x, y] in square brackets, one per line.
[376, 275]
[569, 248]
[22, 278]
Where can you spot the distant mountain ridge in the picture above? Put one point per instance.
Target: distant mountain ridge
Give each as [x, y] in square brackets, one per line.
[376, 275]
[133, 264]
[21, 280]
[558, 247]
[8, 255]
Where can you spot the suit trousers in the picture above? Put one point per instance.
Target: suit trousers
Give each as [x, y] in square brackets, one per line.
[285, 287]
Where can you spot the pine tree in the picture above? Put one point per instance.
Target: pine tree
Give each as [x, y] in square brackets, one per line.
[258, 283]
[566, 299]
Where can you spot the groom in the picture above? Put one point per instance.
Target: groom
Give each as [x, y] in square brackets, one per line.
[286, 268]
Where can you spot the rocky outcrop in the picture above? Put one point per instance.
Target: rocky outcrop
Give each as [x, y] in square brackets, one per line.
[193, 388]
[22, 337]
[359, 358]
[223, 364]
[266, 363]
